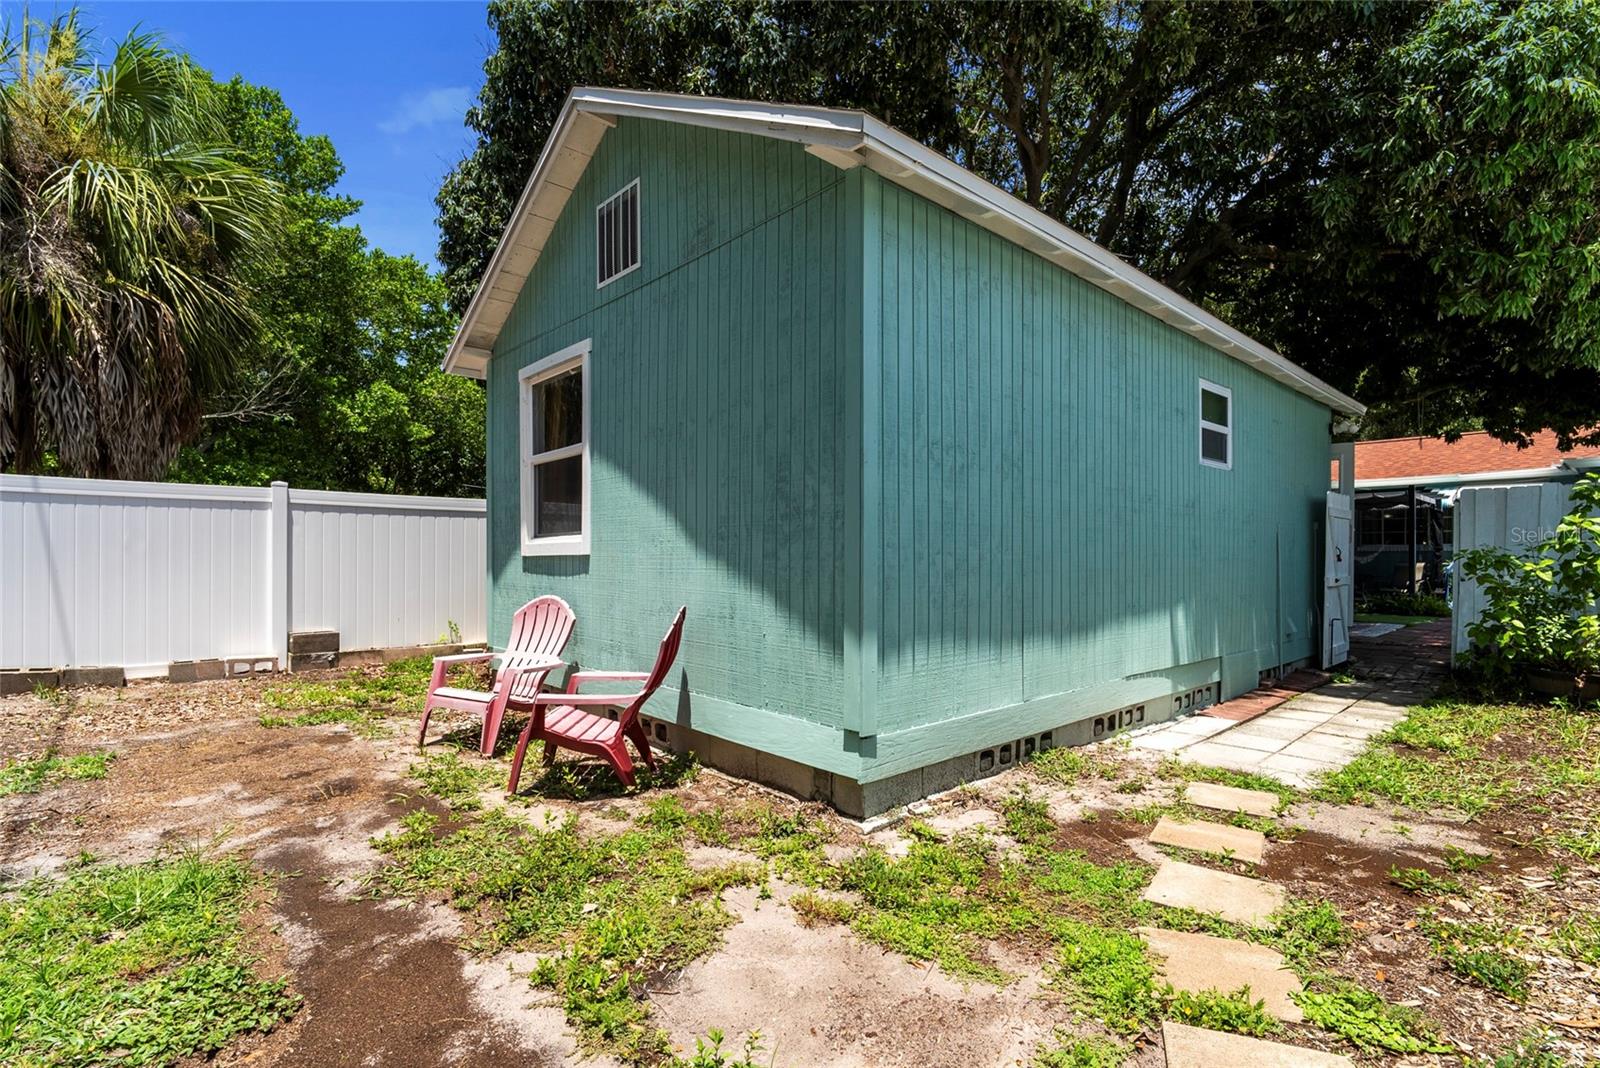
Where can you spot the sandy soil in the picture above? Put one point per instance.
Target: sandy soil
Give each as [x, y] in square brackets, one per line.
[385, 982]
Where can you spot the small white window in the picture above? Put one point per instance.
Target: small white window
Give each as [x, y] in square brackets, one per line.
[1216, 425]
[616, 235]
[554, 409]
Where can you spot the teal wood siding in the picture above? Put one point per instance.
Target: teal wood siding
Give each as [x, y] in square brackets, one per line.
[718, 387]
[1045, 525]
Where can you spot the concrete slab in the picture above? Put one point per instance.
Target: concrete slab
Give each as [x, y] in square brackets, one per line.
[1325, 748]
[1347, 728]
[1296, 770]
[1217, 755]
[1230, 798]
[1286, 714]
[1285, 730]
[1200, 962]
[1195, 1047]
[1233, 897]
[1312, 702]
[1239, 738]
[1240, 843]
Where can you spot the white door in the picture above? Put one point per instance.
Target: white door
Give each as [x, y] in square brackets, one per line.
[1338, 594]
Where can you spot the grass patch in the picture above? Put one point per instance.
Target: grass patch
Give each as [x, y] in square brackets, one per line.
[1477, 952]
[1424, 883]
[131, 965]
[1366, 1019]
[609, 911]
[1076, 1051]
[32, 774]
[1453, 753]
[1218, 1011]
[1109, 974]
[454, 781]
[361, 699]
[1067, 765]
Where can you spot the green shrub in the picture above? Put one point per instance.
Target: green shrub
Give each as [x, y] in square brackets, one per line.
[1401, 603]
[1539, 606]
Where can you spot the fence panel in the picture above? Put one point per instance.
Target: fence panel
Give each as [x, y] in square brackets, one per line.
[1511, 517]
[386, 571]
[140, 574]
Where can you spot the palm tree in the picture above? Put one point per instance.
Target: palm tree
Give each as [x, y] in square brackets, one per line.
[129, 234]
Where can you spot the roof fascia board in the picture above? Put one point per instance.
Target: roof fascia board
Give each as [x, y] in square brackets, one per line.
[1523, 474]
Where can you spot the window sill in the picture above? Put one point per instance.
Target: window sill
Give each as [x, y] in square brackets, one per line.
[573, 545]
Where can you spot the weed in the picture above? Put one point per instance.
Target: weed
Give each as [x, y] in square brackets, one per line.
[1066, 765]
[131, 965]
[455, 782]
[1476, 951]
[1366, 1019]
[1305, 932]
[1529, 1052]
[814, 910]
[1075, 1051]
[710, 1055]
[360, 699]
[1109, 973]
[1028, 818]
[1460, 860]
[1579, 938]
[1418, 881]
[583, 780]
[1217, 1011]
[32, 774]
[609, 910]
[932, 904]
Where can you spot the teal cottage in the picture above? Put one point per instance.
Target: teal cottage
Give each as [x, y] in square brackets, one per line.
[940, 481]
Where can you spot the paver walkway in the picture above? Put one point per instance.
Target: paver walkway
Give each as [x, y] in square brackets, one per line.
[1323, 729]
[1195, 1047]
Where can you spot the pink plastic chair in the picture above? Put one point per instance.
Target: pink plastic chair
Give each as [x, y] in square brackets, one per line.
[559, 720]
[539, 631]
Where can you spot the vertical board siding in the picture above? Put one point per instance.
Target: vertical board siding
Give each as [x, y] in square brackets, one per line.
[1046, 525]
[1506, 517]
[717, 396]
[140, 574]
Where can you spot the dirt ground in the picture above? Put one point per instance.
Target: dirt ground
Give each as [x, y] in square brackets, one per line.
[386, 982]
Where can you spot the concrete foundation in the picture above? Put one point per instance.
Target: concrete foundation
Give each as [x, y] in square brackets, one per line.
[863, 800]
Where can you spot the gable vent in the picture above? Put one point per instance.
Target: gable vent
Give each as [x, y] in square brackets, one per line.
[616, 227]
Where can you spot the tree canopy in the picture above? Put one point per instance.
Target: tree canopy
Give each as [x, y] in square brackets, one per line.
[1399, 196]
[129, 236]
[343, 390]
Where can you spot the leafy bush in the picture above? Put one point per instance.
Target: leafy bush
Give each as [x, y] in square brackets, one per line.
[1539, 607]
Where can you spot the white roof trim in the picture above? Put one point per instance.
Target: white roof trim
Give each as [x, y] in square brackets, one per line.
[1518, 474]
[844, 139]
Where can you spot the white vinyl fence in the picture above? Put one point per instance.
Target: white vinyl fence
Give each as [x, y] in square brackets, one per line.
[1512, 517]
[140, 574]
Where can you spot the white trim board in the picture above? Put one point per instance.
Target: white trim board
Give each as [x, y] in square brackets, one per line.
[844, 139]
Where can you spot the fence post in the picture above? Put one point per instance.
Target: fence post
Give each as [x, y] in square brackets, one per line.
[278, 573]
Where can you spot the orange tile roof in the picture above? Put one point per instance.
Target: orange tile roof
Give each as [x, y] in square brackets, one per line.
[1474, 453]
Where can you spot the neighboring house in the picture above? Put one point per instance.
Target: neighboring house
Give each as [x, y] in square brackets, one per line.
[1406, 490]
[939, 480]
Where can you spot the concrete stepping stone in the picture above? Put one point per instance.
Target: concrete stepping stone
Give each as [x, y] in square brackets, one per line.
[1240, 843]
[1200, 962]
[1230, 798]
[1196, 1047]
[1233, 897]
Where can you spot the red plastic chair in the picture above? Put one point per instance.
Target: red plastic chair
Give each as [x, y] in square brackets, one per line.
[539, 631]
[559, 721]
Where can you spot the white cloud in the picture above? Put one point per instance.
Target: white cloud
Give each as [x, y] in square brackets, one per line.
[428, 108]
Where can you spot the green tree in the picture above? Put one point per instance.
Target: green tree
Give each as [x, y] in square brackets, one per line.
[1400, 196]
[343, 390]
[129, 233]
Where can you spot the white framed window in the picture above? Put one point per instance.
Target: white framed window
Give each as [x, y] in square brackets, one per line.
[1216, 425]
[616, 235]
[553, 406]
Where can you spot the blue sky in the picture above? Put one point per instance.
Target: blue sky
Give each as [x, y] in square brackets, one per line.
[387, 82]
